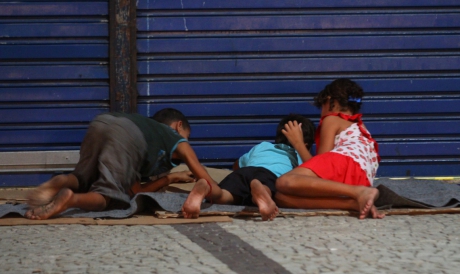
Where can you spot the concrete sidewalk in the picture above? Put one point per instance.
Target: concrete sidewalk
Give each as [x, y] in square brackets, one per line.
[396, 244]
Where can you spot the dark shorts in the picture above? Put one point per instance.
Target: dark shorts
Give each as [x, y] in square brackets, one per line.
[111, 155]
[238, 183]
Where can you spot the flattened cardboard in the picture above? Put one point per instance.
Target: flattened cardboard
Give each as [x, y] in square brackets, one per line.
[135, 220]
[13, 195]
[216, 174]
[312, 213]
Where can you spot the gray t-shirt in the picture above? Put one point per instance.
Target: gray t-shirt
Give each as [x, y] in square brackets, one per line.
[161, 140]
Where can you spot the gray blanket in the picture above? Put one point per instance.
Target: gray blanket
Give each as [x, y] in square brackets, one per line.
[416, 193]
[409, 193]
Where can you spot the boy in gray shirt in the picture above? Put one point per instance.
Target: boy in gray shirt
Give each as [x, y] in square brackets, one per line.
[117, 152]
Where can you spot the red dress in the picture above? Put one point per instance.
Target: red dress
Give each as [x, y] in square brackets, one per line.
[353, 160]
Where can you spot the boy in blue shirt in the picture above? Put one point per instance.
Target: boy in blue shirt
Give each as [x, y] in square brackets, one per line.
[255, 173]
[117, 152]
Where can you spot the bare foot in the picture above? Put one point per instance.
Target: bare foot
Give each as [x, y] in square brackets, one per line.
[376, 214]
[192, 206]
[41, 195]
[57, 205]
[261, 196]
[366, 201]
[44, 193]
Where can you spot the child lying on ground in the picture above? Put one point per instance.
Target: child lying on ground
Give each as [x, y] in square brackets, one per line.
[340, 176]
[117, 151]
[255, 173]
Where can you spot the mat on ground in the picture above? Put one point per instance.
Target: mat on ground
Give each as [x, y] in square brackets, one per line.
[425, 195]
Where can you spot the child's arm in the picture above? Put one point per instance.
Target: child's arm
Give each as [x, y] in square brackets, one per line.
[293, 132]
[186, 153]
[236, 165]
[329, 129]
[152, 186]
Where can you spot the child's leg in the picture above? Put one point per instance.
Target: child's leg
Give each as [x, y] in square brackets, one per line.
[86, 168]
[262, 197]
[302, 182]
[45, 192]
[65, 199]
[203, 189]
[291, 201]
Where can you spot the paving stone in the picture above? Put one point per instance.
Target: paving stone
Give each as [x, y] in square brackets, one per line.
[406, 244]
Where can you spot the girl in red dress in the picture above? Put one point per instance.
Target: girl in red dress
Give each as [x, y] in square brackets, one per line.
[340, 176]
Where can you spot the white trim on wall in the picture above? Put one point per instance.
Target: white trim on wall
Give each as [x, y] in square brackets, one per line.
[38, 161]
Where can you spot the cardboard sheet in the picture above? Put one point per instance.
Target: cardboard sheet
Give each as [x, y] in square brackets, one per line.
[134, 220]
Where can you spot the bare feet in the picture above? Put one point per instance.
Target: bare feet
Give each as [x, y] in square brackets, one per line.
[366, 200]
[376, 214]
[57, 205]
[44, 193]
[261, 196]
[192, 206]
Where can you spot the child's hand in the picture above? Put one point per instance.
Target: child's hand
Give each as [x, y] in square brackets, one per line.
[293, 132]
[181, 176]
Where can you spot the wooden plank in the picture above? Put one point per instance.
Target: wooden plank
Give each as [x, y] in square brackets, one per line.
[16, 194]
[420, 211]
[12, 221]
[298, 22]
[134, 220]
[285, 212]
[154, 220]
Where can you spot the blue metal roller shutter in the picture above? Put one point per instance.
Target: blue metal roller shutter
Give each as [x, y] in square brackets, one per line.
[236, 67]
[53, 76]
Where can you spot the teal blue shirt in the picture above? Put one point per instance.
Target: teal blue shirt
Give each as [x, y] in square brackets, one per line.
[278, 158]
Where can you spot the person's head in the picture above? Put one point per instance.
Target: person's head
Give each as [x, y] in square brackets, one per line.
[308, 130]
[174, 119]
[344, 93]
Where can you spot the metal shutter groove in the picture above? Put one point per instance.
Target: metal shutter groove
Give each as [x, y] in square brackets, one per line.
[53, 76]
[236, 67]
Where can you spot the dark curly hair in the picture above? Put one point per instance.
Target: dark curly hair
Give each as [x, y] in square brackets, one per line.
[343, 91]
[308, 130]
